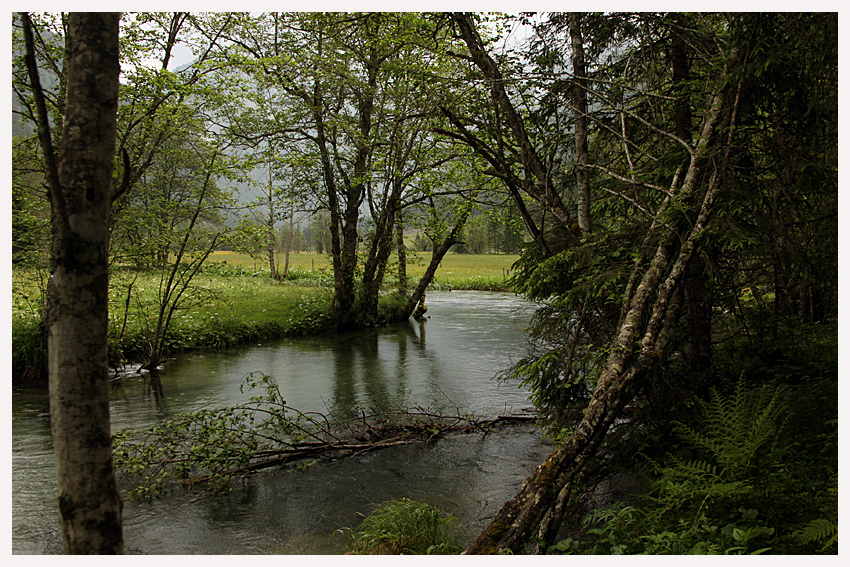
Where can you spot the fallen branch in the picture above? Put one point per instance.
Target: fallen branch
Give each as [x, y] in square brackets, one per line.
[214, 446]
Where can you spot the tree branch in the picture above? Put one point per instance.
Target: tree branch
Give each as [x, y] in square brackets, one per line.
[52, 170]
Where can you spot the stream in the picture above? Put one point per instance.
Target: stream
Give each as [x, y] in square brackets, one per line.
[446, 362]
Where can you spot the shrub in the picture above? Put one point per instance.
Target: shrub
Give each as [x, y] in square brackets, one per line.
[404, 527]
[29, 350]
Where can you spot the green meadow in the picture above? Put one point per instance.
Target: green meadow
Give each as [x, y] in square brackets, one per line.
[457, 271]
[232, 301]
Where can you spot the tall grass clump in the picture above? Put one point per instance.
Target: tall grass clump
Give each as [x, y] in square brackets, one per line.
[29, 343]
[404, 527]
[391, 307]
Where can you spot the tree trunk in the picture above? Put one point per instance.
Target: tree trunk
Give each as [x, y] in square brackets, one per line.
[81, 193]
[289, 239]
[271, 237]
[373, 272]
[270, 251]
[437, 256]
[697, 289]
[580, 103]
[402, 257]
[344, 284]
[681, 74]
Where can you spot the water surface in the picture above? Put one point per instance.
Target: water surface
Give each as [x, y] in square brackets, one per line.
[446, 362]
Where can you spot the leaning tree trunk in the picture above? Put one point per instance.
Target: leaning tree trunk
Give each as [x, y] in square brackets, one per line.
[650, 319]
[437, 256]
[81, 193]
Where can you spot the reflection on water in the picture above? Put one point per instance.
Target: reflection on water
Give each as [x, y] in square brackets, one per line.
[446, 362]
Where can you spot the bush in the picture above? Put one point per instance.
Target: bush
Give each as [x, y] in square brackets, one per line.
[404, 527]
[391, 308]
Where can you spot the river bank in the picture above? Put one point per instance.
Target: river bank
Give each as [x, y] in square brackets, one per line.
[234, 302]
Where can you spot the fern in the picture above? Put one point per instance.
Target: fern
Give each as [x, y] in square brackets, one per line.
[732, 478]
[823, 529]
[819, 530]
[739, 429]
[739, 435]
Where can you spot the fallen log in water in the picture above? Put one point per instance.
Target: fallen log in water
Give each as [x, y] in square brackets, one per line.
[340, 449]
[215, 445]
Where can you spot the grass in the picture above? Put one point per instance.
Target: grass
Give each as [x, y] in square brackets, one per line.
[221, 311]
[404, 527]
[457, 271]
[234, 301]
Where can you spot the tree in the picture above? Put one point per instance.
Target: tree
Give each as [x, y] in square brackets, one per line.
[358, 114]
[81, 193]
[667, 164]
[155, 100]
[152, 100]
[580, 102]
[192, 173]
[318, 232]
[505, 141]
[30, 209]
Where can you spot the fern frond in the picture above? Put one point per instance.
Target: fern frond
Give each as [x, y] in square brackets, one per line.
[819, 530]
[736, 428]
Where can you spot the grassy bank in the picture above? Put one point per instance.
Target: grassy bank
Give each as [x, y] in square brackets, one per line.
[234, 301]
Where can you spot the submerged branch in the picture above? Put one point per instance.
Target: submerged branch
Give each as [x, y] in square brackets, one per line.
[216, 445]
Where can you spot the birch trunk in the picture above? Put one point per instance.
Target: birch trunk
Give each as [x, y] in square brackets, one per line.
[81, 193]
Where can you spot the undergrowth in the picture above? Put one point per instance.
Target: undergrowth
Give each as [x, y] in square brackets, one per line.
[404, 527]
[739, 482]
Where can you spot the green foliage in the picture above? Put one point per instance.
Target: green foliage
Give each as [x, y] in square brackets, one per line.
[29, 349]
[797, 353]
[580, 293]
[737, 485]
[739, 434]
[391, 307]
[213, 448]
[211, 445]
[621, 529]
[30, 227]
[820, 530]
[404, 527]
[29, 341]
